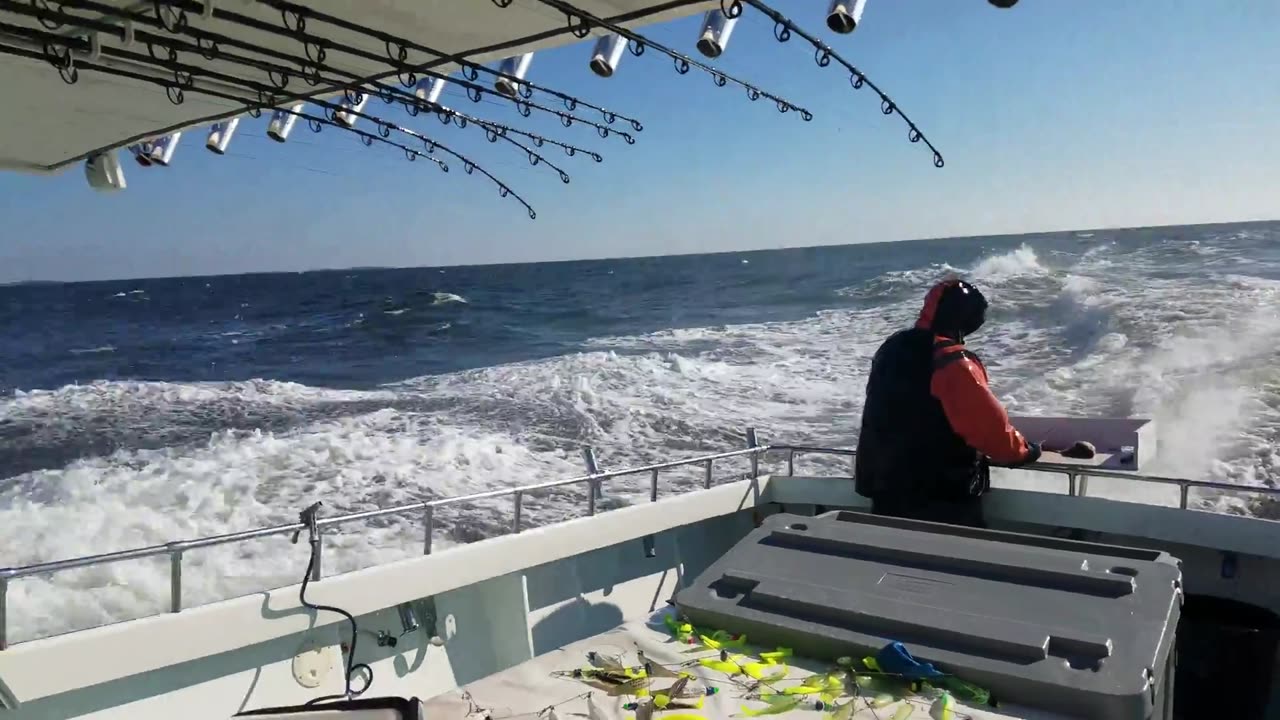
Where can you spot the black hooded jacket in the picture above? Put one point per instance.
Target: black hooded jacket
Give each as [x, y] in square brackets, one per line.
[930, 423]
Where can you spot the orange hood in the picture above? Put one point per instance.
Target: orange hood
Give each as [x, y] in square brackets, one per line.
[931, 300]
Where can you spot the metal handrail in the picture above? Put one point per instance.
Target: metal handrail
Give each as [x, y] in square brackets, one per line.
[594, 478]
[175, 550]
[1073, 473]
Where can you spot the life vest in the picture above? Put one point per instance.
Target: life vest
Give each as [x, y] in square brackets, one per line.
[906, 447]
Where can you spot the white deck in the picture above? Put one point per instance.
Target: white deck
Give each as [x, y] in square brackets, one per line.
[47, 124]
[532, 685]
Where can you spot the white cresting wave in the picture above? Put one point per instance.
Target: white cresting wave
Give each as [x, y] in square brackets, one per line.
[1096, 333]
[443, 298]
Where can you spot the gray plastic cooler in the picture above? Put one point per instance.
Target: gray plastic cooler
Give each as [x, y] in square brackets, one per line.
[1077, 628]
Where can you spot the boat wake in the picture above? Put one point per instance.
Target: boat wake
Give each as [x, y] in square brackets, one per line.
[1105, 330]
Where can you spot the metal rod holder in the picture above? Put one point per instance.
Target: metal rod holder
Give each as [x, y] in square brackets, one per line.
[515, 521]
[653, 487]
[593, 491]
[319, 551]
[706, 475]
[4, 614]
[308, 521]
[791, 463]
[408, 619]
[175, 581]
[589, 459]
[428, 527]
[752, 442]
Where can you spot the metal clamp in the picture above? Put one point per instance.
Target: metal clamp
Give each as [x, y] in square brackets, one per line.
[308, 518]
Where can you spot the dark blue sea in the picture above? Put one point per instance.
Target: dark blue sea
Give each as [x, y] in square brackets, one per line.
[136, 412]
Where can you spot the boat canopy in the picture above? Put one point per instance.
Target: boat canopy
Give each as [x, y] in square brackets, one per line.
[85, 79]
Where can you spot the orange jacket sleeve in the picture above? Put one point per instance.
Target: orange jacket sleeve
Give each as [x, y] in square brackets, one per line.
[975, 413]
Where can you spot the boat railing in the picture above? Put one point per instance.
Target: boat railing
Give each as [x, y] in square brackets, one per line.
[594, 480]
[1076, 475]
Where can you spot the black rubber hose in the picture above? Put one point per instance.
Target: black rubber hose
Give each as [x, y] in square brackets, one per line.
[352, 666]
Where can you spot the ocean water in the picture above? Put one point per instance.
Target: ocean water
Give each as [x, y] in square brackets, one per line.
[145, 411]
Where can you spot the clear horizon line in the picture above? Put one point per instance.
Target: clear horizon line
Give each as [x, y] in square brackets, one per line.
[602, 258]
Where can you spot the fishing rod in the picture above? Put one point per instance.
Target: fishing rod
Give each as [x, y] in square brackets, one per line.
[60, 52]
[315, 123]
[185, 74]
[406, 73]
[279, 79]
[397, 51]
[823, 55]
[582, 22]
[171, 16]
[207, 45]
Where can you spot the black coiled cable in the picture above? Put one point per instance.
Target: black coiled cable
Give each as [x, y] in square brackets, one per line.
[308, 518]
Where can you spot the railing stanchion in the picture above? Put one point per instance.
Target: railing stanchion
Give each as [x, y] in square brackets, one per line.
[791, 463]
[1071, 484]
[429, 527]
[1183, 490]
[175, 581]
[706, 475]
[515, 521]
[593, 483]
[4, 614]
[653, 487]
[752, 442]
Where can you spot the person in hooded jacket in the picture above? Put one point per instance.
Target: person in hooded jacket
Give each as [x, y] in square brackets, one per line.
[931, 426]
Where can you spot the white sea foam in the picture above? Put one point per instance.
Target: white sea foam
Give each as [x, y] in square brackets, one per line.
[135, 401]
[1022, 262]
[1098, 333]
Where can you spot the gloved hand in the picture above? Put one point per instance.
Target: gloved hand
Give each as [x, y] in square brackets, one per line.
[1033, 454]
[895, 659]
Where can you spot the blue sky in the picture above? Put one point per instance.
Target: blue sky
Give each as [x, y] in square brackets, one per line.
[1057, 114]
